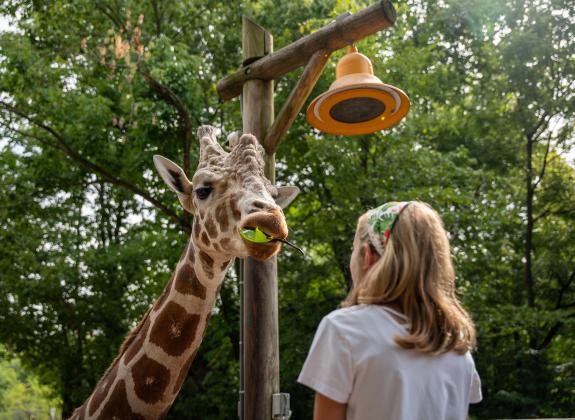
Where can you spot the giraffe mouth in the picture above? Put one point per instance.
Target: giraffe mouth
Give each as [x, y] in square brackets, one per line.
[270, 223]
[262, 233]
[257, 236]
[261, 251]
[254, 235]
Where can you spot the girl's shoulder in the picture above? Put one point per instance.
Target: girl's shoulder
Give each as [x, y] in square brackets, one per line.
[348, 312]
[362, 324]
[368, 316]
[351, 315]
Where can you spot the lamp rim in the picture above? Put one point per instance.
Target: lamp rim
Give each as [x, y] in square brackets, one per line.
[319, 116]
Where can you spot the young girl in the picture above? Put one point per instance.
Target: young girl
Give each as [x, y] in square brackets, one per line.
[399, 347]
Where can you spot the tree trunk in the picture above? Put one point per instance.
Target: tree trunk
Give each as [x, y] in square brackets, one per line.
[528, 275]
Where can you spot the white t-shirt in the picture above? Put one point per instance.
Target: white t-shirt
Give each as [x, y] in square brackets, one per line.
[354, 360]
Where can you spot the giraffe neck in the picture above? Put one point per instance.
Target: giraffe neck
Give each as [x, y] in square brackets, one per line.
[154, 360]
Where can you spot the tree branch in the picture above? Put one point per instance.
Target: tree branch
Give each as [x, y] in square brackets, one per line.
[564, 288]
[157, 18]
[545, 162]
[543, 214]
[170, 97]
[550, 335]
[35, 137]
[548, 211]
[534, 134]
[557, 326]
[109, 15]
[94, 167]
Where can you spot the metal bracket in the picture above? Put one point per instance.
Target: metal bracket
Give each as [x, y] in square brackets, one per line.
[241, 405]
[343, 16]
[280, 407]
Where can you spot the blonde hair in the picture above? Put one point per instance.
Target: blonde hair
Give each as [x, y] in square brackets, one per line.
[416, 272]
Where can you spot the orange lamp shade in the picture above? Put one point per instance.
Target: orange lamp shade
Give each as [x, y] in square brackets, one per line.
[357, 102]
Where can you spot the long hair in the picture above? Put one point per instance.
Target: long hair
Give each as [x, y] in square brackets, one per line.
[416, 272]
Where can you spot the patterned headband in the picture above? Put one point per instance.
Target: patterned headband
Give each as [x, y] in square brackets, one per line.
[380, 222]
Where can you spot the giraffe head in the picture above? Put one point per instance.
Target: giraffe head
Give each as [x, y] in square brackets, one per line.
[229, 192]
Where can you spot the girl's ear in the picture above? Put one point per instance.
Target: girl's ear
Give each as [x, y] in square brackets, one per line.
[370, 257]
[176, 180]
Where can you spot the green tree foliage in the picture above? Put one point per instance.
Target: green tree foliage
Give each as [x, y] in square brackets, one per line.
[89, 233]
[21, 394]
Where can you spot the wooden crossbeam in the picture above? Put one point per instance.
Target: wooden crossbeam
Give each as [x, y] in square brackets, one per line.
[332, 37]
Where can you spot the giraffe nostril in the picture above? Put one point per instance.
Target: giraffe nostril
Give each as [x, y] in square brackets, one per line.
[258, 205]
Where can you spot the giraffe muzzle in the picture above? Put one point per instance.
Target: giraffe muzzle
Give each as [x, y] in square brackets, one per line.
[272, 223]
[272, 229]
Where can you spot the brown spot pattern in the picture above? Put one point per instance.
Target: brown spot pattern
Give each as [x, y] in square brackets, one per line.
[205, 239]
[222, 217]
[211, 227]
[225, 242]
[223, 186]
[191, 254]
[207, 263]
[117, 406]
[185, 253]
[102, 389]
[174, 329]
[79, 413]
[233, 205]
[150, 379]
[187, 283]
[197, 229]
[184, 372]
[137, 344]
[225, 265]
[164, 294]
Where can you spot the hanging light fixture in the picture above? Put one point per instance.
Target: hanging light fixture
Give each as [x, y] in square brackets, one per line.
[357, 102]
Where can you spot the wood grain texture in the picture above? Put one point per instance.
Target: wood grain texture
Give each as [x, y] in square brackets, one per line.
[332, 37]
[260, 317]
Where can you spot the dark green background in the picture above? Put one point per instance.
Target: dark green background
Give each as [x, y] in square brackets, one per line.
[91, 90]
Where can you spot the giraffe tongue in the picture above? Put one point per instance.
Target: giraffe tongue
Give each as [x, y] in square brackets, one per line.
[257, 236]
[285, 241]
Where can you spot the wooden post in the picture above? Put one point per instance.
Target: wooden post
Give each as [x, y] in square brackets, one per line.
[260, 329]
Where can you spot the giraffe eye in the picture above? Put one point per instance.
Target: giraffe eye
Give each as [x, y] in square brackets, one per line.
[203, 193]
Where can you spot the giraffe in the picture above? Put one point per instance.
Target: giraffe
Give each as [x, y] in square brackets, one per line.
[228, 192]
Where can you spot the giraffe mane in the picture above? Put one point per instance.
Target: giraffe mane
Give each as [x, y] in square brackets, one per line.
[130, 337]
[133, 333]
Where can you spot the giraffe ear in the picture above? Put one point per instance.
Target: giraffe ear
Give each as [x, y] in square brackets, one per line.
[286, 195]
[176, 180]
